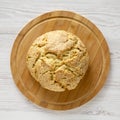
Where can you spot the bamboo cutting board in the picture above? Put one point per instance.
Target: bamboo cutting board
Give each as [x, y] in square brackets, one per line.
[97, 72]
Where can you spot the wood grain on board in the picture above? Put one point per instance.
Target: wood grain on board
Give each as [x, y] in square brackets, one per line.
[97, 72]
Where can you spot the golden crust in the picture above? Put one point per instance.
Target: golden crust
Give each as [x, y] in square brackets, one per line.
[58, 60]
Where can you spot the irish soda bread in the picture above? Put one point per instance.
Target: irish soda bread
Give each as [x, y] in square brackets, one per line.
[58, 60]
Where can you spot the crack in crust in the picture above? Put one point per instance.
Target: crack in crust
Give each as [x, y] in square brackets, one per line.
[58, 60]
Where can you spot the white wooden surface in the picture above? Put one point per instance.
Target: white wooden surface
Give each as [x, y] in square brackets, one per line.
[14, 14]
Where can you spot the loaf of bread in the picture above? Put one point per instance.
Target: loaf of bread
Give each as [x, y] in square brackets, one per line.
[58, 60]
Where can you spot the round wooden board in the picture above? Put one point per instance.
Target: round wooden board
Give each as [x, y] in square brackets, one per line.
[88, 86]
